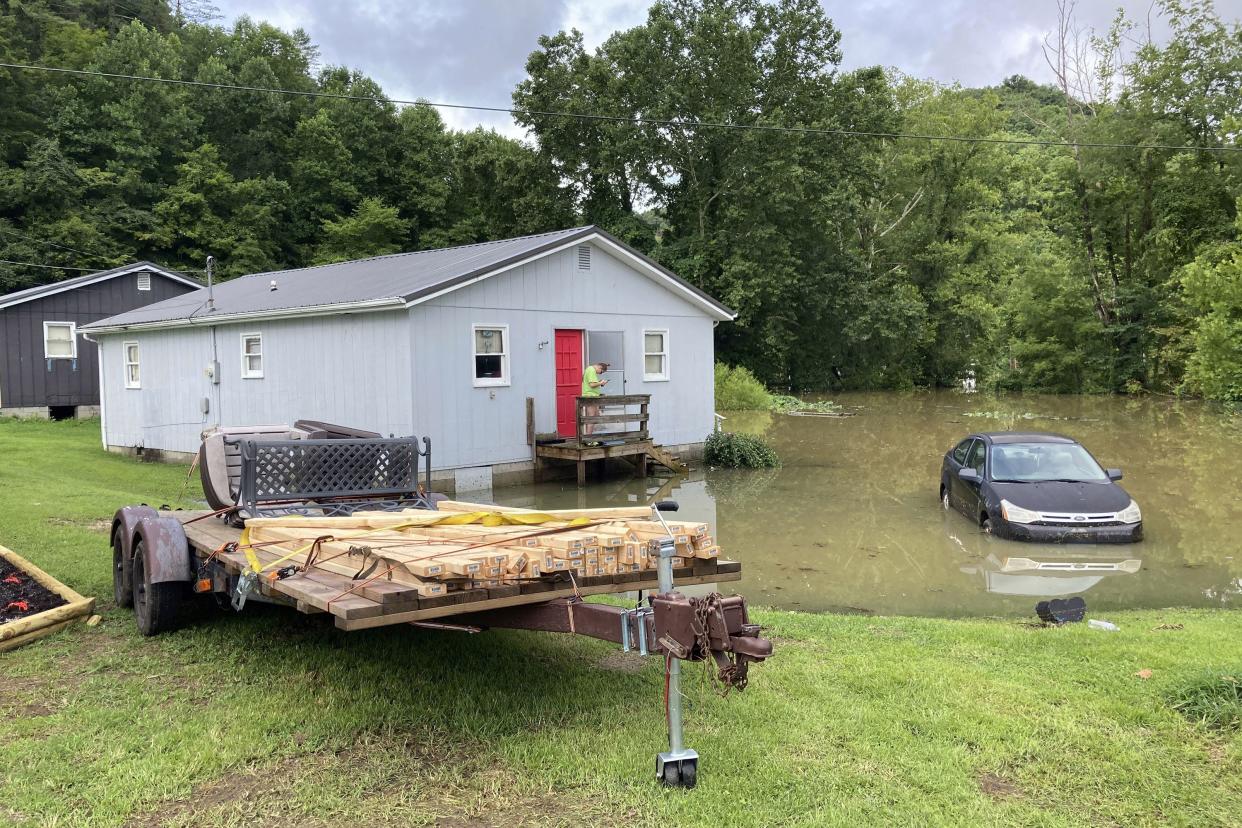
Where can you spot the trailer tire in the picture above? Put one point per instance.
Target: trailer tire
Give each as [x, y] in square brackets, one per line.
[122, 590]
[155, 605]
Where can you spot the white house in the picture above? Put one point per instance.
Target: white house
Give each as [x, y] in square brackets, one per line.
[444, 343]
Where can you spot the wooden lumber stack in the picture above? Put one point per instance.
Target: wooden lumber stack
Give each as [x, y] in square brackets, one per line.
[400, 556]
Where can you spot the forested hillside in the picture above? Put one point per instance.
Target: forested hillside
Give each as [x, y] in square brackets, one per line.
[854, 261]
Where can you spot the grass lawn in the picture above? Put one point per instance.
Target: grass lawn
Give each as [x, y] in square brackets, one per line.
[274, 718]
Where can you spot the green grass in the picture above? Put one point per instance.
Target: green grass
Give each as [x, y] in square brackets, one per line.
[274, 718]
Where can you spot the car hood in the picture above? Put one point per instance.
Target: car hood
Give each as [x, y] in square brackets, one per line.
[1055, 496]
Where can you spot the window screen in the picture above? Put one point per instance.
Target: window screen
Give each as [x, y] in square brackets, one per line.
[491, 356]
[655, 355]
[60, 340]
[252, 356]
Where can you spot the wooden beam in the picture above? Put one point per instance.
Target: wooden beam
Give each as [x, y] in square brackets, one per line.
[517, 600]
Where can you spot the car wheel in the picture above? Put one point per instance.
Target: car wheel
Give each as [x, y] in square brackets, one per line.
[986, 525]
[944, 499]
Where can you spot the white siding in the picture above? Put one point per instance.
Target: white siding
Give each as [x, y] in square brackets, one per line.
[346, 369]
[478, 426]
[409, 372]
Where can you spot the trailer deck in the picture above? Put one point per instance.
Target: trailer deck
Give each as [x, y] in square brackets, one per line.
[381, 603]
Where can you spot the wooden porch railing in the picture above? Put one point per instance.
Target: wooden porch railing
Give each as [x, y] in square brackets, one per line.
[624, 402]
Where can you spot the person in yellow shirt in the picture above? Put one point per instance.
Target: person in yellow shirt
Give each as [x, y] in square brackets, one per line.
[592, 386]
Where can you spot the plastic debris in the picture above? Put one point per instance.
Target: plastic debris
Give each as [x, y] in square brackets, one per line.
[1097, 624]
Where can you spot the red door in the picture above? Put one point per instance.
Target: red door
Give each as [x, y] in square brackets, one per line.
[568, 380]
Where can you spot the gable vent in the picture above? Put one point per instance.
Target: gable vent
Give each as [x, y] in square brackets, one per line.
[584, 257]
[144, 281]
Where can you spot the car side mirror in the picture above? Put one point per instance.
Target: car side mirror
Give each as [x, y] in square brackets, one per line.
[1113, 474]
[969, 475]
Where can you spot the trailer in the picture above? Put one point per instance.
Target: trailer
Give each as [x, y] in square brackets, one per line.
[162, 559]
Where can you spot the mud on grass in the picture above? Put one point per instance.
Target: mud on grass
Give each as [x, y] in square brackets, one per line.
[383, 779]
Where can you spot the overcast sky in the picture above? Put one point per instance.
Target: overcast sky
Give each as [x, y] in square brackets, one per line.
[474, 51]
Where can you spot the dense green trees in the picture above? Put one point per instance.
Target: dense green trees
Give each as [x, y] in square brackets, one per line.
[856, 261]
[99, 171]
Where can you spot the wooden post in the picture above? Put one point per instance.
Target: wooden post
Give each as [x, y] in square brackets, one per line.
[578, 415]
[530, 421]
[642, 465]
[530, 438]
[581, 472]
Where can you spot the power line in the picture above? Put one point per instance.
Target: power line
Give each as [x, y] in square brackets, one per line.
[87, 269]
[638, 120]
[49, 267]
[51, 243]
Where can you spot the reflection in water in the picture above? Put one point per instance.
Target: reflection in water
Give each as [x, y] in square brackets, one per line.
[1049, 577]
[851, 522]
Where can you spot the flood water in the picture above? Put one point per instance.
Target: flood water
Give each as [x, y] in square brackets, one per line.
[852, 521]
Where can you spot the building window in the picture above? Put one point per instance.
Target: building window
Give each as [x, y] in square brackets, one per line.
[491, 355]
[144, 281]
[584, 257]
[132, 378]
[655, 356]
[60, 340]
[252, 356]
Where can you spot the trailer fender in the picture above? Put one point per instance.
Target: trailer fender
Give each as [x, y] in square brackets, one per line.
[124, 524]
[167, 552]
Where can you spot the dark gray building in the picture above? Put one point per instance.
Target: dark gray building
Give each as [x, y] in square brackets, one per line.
[48, 369]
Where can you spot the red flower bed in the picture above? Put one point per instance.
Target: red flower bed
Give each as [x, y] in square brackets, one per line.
[21, 595]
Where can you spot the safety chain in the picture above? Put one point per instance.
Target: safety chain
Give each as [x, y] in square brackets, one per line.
[732, 674]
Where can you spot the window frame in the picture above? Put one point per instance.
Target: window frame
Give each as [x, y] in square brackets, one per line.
[965, 447]
[983, 465]
[73, 339]
[132, 384]
[505, 379]
[664, 355]
[246, 373]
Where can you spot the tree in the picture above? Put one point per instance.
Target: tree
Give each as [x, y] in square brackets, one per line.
[374, 229]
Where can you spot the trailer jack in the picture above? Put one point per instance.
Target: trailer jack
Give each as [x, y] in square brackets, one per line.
[673, 626]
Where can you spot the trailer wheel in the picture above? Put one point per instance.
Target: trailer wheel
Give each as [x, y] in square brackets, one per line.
[122, 593]
[671, 776]
[155, 605]
[688, 773]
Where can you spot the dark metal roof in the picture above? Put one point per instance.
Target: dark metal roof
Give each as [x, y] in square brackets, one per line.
[377, 282]
[1026, 437]
[39, 291]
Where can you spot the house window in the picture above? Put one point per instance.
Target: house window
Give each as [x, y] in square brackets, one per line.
[252, 356]
[491, 355]
[132, 377]
[144, 281]
[655, 356]
[584, 257]
[60, 340]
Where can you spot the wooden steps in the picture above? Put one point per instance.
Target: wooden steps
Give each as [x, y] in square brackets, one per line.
[667, 459]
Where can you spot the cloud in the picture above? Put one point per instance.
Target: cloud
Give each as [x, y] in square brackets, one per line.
[474, 51]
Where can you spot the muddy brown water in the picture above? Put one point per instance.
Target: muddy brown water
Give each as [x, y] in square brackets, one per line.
[851, 522]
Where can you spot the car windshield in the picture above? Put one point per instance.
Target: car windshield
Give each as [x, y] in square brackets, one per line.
[1033, 462]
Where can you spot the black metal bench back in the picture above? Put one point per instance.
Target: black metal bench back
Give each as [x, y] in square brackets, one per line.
[333, 476]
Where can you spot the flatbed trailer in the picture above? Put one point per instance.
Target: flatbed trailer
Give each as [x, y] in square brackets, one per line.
[161, 559]
[379, 605]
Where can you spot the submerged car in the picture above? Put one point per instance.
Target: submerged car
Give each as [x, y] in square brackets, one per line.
[1037, 487]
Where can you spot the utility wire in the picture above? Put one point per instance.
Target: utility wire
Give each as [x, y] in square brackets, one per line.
[49, 267]
[624, 119]
[88, 269]
[51, 243]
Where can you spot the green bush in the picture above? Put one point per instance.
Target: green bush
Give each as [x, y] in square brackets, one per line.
[1213, 700]
[739, 451]
[738, 390]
